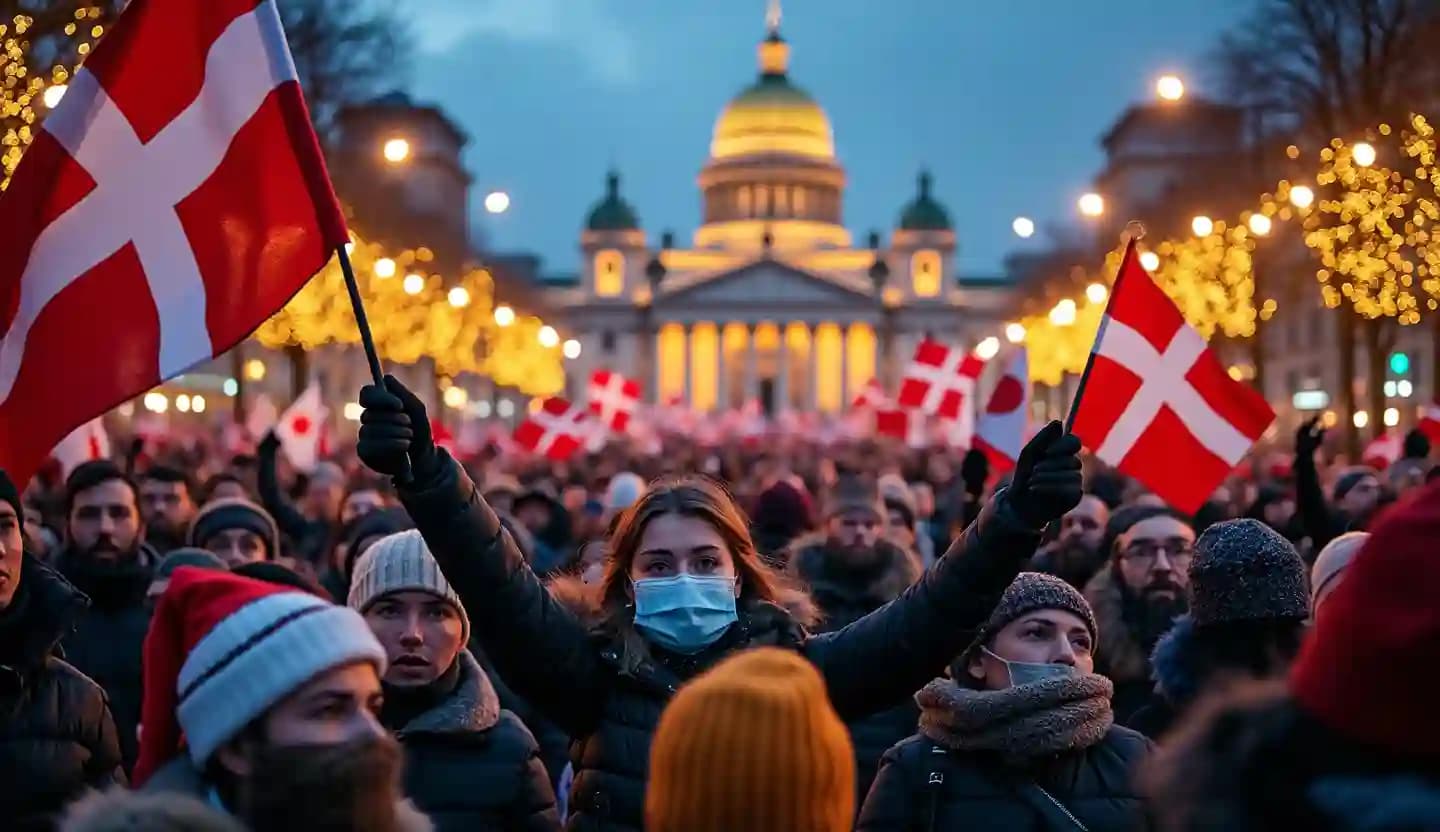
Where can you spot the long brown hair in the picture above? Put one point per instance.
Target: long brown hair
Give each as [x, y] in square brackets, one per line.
[695, 496]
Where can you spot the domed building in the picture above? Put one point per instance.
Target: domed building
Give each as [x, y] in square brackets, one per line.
[772, 300]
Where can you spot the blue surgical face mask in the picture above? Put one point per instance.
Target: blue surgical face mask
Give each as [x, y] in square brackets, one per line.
[685, 613]
[1028, 673]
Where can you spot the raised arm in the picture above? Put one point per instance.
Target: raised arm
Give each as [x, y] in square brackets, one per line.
[892, 652]
[1315, 517]
[267, 480]
[540, 649]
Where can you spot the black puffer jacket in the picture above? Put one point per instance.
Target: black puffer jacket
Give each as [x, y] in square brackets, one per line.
[56, 735]
[925, 786]
[607, 689]
[107, 639]
[472, 767]
[846, 592]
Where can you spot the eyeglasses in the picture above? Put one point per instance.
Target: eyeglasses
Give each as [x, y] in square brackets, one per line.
[1144, 553]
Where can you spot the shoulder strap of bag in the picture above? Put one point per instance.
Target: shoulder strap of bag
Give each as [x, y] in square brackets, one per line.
[1057, 815]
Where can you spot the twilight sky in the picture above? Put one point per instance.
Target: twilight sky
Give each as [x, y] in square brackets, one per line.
[1004, 101]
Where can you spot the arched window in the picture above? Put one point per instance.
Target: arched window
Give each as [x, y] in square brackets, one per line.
[609, 273]
[925, 273]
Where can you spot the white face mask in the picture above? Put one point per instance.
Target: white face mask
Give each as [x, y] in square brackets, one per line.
[1028, 673]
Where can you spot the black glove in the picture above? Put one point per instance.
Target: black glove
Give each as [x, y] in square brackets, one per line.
[1047, 481]
[395, 433]
[974, 470]
[1309, 438]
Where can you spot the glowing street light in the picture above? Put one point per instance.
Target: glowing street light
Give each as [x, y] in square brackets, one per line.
[571, 349]
[459, 297]
[1064, 313]
[455, 397]
[197, 403]
[1360, 419]
[1170, 87]
[1301, 196]
[1202, 226]
[384, 268]
[548, 336]
[396, 151]
[1363, 153]
[1149, 260]
[497, 202]
[156, 402]
[1097, 292]
[1024, 227]
[1015, 333]
[1092, 204]
[182, 403]
[988, 348]
[255, 369]
[52, 95]
[504, 316]
[1260, 225]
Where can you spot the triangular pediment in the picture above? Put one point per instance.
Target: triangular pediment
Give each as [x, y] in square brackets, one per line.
[766, 282]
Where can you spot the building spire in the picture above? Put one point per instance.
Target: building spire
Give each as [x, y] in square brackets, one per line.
[772, 18]
[774, 51]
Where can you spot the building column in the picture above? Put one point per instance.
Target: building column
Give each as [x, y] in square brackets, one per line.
[752, 369]
[689, 376]
[812, 396]
[722, 376]
[782, 374]
[845, 397]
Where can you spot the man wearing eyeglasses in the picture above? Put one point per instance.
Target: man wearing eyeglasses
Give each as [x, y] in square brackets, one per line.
[1138, 595]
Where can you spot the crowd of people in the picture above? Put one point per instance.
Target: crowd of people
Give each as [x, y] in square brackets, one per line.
[765, 635]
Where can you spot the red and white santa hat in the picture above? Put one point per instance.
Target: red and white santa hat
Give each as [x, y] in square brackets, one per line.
[223, 649]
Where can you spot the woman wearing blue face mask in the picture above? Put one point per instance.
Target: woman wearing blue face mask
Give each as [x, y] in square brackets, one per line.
[1021, 736]
[683, 587]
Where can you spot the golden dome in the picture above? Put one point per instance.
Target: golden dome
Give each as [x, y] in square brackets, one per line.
[773, 116]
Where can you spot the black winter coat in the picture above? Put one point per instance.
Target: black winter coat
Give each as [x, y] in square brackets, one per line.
[472, 767]
[56, 735]
[554, 744]
[607, 689]
[107, 639]
[925, 786]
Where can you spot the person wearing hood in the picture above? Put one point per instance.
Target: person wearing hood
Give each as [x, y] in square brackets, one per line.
[1138, 595]
[468, 764]
[57, 738]
[683, 589]
[1021, 735]
[782, 514]
[851, 570]
[1348, 740]
[105, 557]
[263, 702]
[1249, 599]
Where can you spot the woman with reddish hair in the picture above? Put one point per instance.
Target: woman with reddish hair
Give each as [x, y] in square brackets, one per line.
[683, 587]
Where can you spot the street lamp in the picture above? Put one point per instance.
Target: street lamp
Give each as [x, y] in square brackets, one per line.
[1092, 204]
[52, 95]
[504, 316]
[1024, 227]
[396, 151]
[1170, 88]
[1363, 153]
[1260, 225]
[548, 336]
[1015, 333]
[1302, 197]
[497, 202]
[1097, 293]
[988, 348]
[1202, 226]
[571, 349]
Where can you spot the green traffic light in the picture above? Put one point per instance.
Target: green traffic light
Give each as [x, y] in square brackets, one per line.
[1399, 363]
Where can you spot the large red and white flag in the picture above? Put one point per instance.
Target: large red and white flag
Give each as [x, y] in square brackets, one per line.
[1003, 427]
[556, 431]
[941, 381]
[613, 399]
[909, 426]
[301, 429]
[1382, 451]
[1159, 404]
[1429, 423]
[88, 442]
[174, 200]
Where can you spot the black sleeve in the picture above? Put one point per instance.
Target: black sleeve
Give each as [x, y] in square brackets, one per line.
[287, 517]
[539, 648]
[534, 809]
[893, 801]
[1315, 517]
[892, 652]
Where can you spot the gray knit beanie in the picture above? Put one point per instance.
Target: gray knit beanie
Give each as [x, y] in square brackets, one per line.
[1031, 591]
[1243, 570]
[402, 562]
[235, 513]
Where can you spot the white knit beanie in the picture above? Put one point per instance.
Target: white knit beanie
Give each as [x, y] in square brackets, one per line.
[402, 562]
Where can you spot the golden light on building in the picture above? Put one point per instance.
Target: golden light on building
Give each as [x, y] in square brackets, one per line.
[1015, 333]
[988, 348]
[504, 316]
[1363, 153]
[704, 355]
[255, 369]
[197, 403]
[384, 268]
[156, 402]
[1301, 196]
[1260, 225]
[548, 337]
[182, 403]
[1092, 205]
[1170, 88]
[829, 384]
[396, 150]
[1202, 225]
[1097, 292]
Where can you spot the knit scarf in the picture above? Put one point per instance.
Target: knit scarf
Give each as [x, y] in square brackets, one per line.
[1020, 723]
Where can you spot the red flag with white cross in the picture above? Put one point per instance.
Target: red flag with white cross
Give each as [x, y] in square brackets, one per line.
[174, 200]
[556, 431]
[613, 399]
[941, 380]
[1158, 403]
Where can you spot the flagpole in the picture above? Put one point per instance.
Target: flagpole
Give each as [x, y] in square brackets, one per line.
[1134, 231]
[377, 373]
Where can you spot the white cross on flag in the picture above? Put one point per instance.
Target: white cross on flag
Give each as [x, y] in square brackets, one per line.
[940, 380]
[88, 442]
[1158, 404]
[174, 200]
[556, 431]
[1003, 427]
[871, 397]
[613, 399]
[301, 427]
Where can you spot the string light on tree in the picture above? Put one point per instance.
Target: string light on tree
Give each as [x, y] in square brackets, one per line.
[1203, 226]
[1149, 260]
[53, 94]
[1302, 196]
[1260, 225]
[1064, 313]
[385, 268]
[414, 283]
[458, 297]
[1363, 153]
[504, 316]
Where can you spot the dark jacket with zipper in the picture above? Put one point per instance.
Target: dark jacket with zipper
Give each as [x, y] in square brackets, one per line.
[606, 687]
[925, 786]
[56, 736]
[472, 767]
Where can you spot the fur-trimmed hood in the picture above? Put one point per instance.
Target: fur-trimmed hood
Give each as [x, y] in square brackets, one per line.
[472, 707]
[1123, 657]
[120, 810]
[844, 592]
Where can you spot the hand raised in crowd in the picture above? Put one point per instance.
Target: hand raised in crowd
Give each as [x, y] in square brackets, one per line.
[974, 470]
[1309, 438]
[395, 432]
[1047, 481]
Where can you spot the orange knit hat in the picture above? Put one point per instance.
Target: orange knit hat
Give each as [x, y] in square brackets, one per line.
[752, 745]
